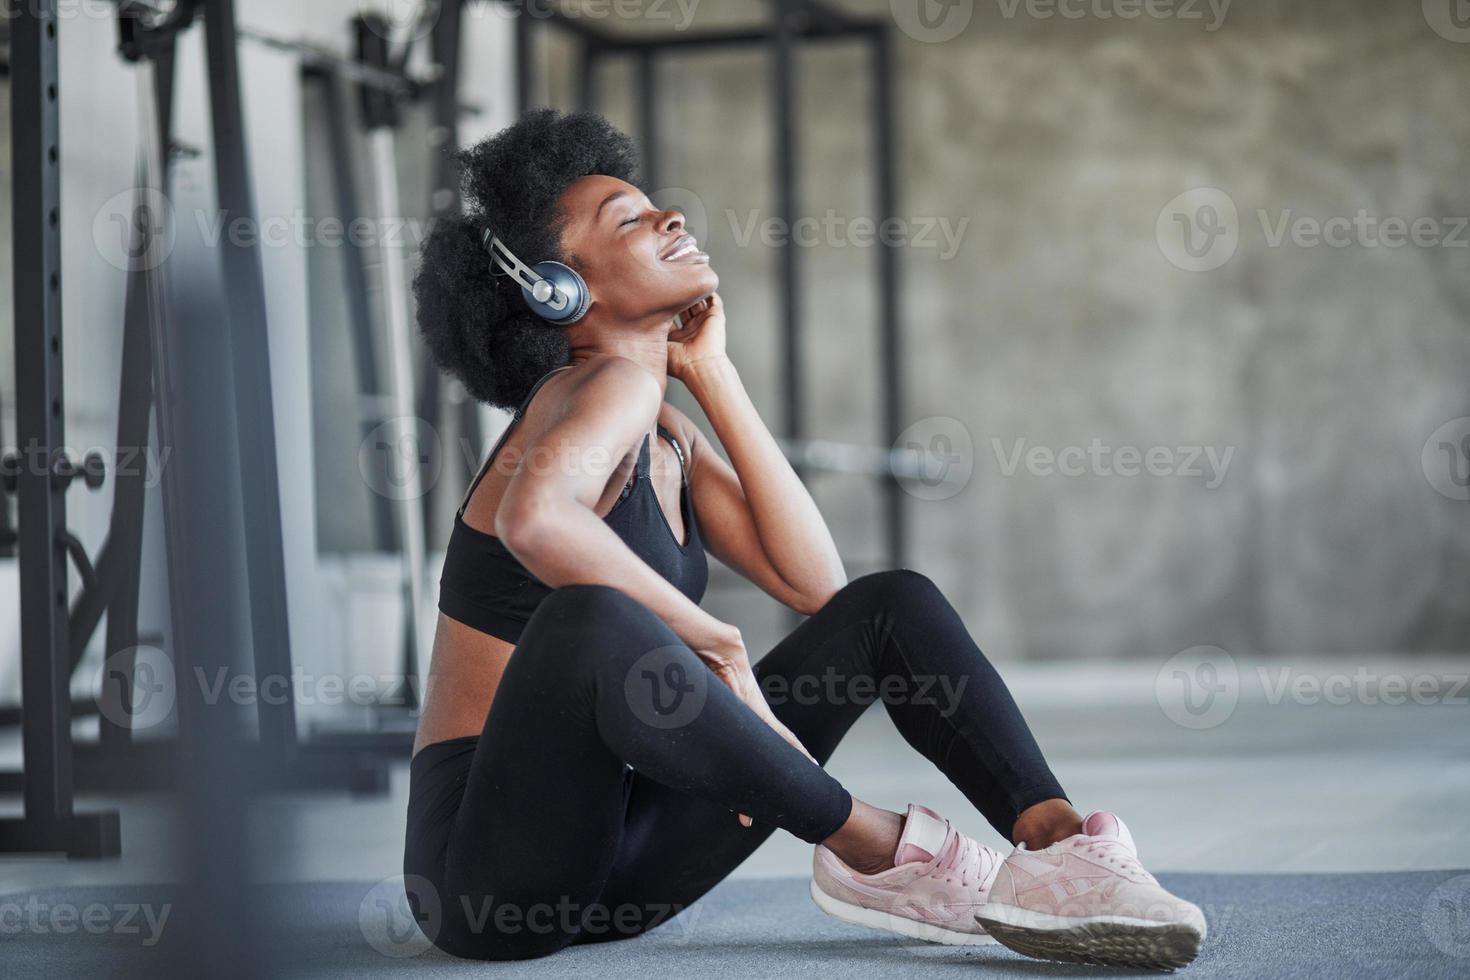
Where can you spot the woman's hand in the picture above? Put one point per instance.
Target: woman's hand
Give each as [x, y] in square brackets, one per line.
[702, 336]
[728, 660]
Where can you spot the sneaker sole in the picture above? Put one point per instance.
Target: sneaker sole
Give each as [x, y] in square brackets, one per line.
[888, 922]
[1096, 940]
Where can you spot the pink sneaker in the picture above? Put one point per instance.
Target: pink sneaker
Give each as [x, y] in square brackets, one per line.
[941, 877]
[1086, 899]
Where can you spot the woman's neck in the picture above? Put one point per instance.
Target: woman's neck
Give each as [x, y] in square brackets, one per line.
[651, 352]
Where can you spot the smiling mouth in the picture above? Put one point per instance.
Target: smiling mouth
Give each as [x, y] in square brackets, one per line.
[685, 250]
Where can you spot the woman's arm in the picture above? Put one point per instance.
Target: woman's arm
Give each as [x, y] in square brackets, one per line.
[756, 517]
[546, 519]
[546, 516]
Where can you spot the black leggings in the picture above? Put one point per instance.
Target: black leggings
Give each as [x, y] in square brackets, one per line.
[601, 797]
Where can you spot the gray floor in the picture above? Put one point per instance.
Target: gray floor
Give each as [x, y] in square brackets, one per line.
[1337, 926]
[1280, 788]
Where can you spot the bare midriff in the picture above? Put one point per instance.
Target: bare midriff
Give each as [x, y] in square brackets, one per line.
[467, 667]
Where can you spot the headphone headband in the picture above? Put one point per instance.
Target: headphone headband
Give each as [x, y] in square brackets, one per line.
[552, 290]
[540, 288]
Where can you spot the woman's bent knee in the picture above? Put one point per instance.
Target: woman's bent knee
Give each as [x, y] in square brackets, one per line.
[892, 584]
[596, 625]
[597, 611]
[588, 599]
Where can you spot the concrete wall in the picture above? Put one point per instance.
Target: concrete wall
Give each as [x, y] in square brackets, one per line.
[1070, 316]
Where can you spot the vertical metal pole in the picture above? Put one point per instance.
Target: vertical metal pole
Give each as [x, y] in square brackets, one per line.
[49, 823]
[250, 360]
[784, 111]
[400, 385]
[885, 138]
[648, 118]
[445, 203]
[135, 406]
[525, 42]
[381, 117]
[587, 76]
[355, 285]
[39, 426]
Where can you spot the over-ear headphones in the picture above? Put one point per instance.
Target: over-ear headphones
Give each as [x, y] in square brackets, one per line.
[553, 291]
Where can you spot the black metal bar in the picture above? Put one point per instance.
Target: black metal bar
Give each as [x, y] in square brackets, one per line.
[250, 363]
[648, 116]
[11, 715]
[91, 603]
[124, 547]
[358, 762]
[696, 41]
[163, 85]
[587, 76]
[446, 202]
[783, 94]
[890, 360]
[379, 108]
[445, 51]
[817, 22]
[525, 67]
[39, 426]
[820, 14]
[8, 537]
[381, 118]
[49, 823]
[355, 284]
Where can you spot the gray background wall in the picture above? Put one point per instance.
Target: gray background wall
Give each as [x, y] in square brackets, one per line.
[1060, 320]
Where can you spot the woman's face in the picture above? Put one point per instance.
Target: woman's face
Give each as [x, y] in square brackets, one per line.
[638, 262]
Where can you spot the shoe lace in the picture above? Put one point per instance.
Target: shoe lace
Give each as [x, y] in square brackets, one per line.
[1118, 855]
[966, 859]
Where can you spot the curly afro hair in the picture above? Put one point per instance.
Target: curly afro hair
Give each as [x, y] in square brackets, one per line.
[476, 324]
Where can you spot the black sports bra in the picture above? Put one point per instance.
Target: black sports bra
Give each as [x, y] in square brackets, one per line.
[487, 588]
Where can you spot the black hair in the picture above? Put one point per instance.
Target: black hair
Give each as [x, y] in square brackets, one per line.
[476, 324]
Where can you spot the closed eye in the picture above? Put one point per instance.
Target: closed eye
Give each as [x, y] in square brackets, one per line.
[635, 219]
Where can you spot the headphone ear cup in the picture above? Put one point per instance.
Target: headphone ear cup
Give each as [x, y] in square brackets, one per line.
[569, 284]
